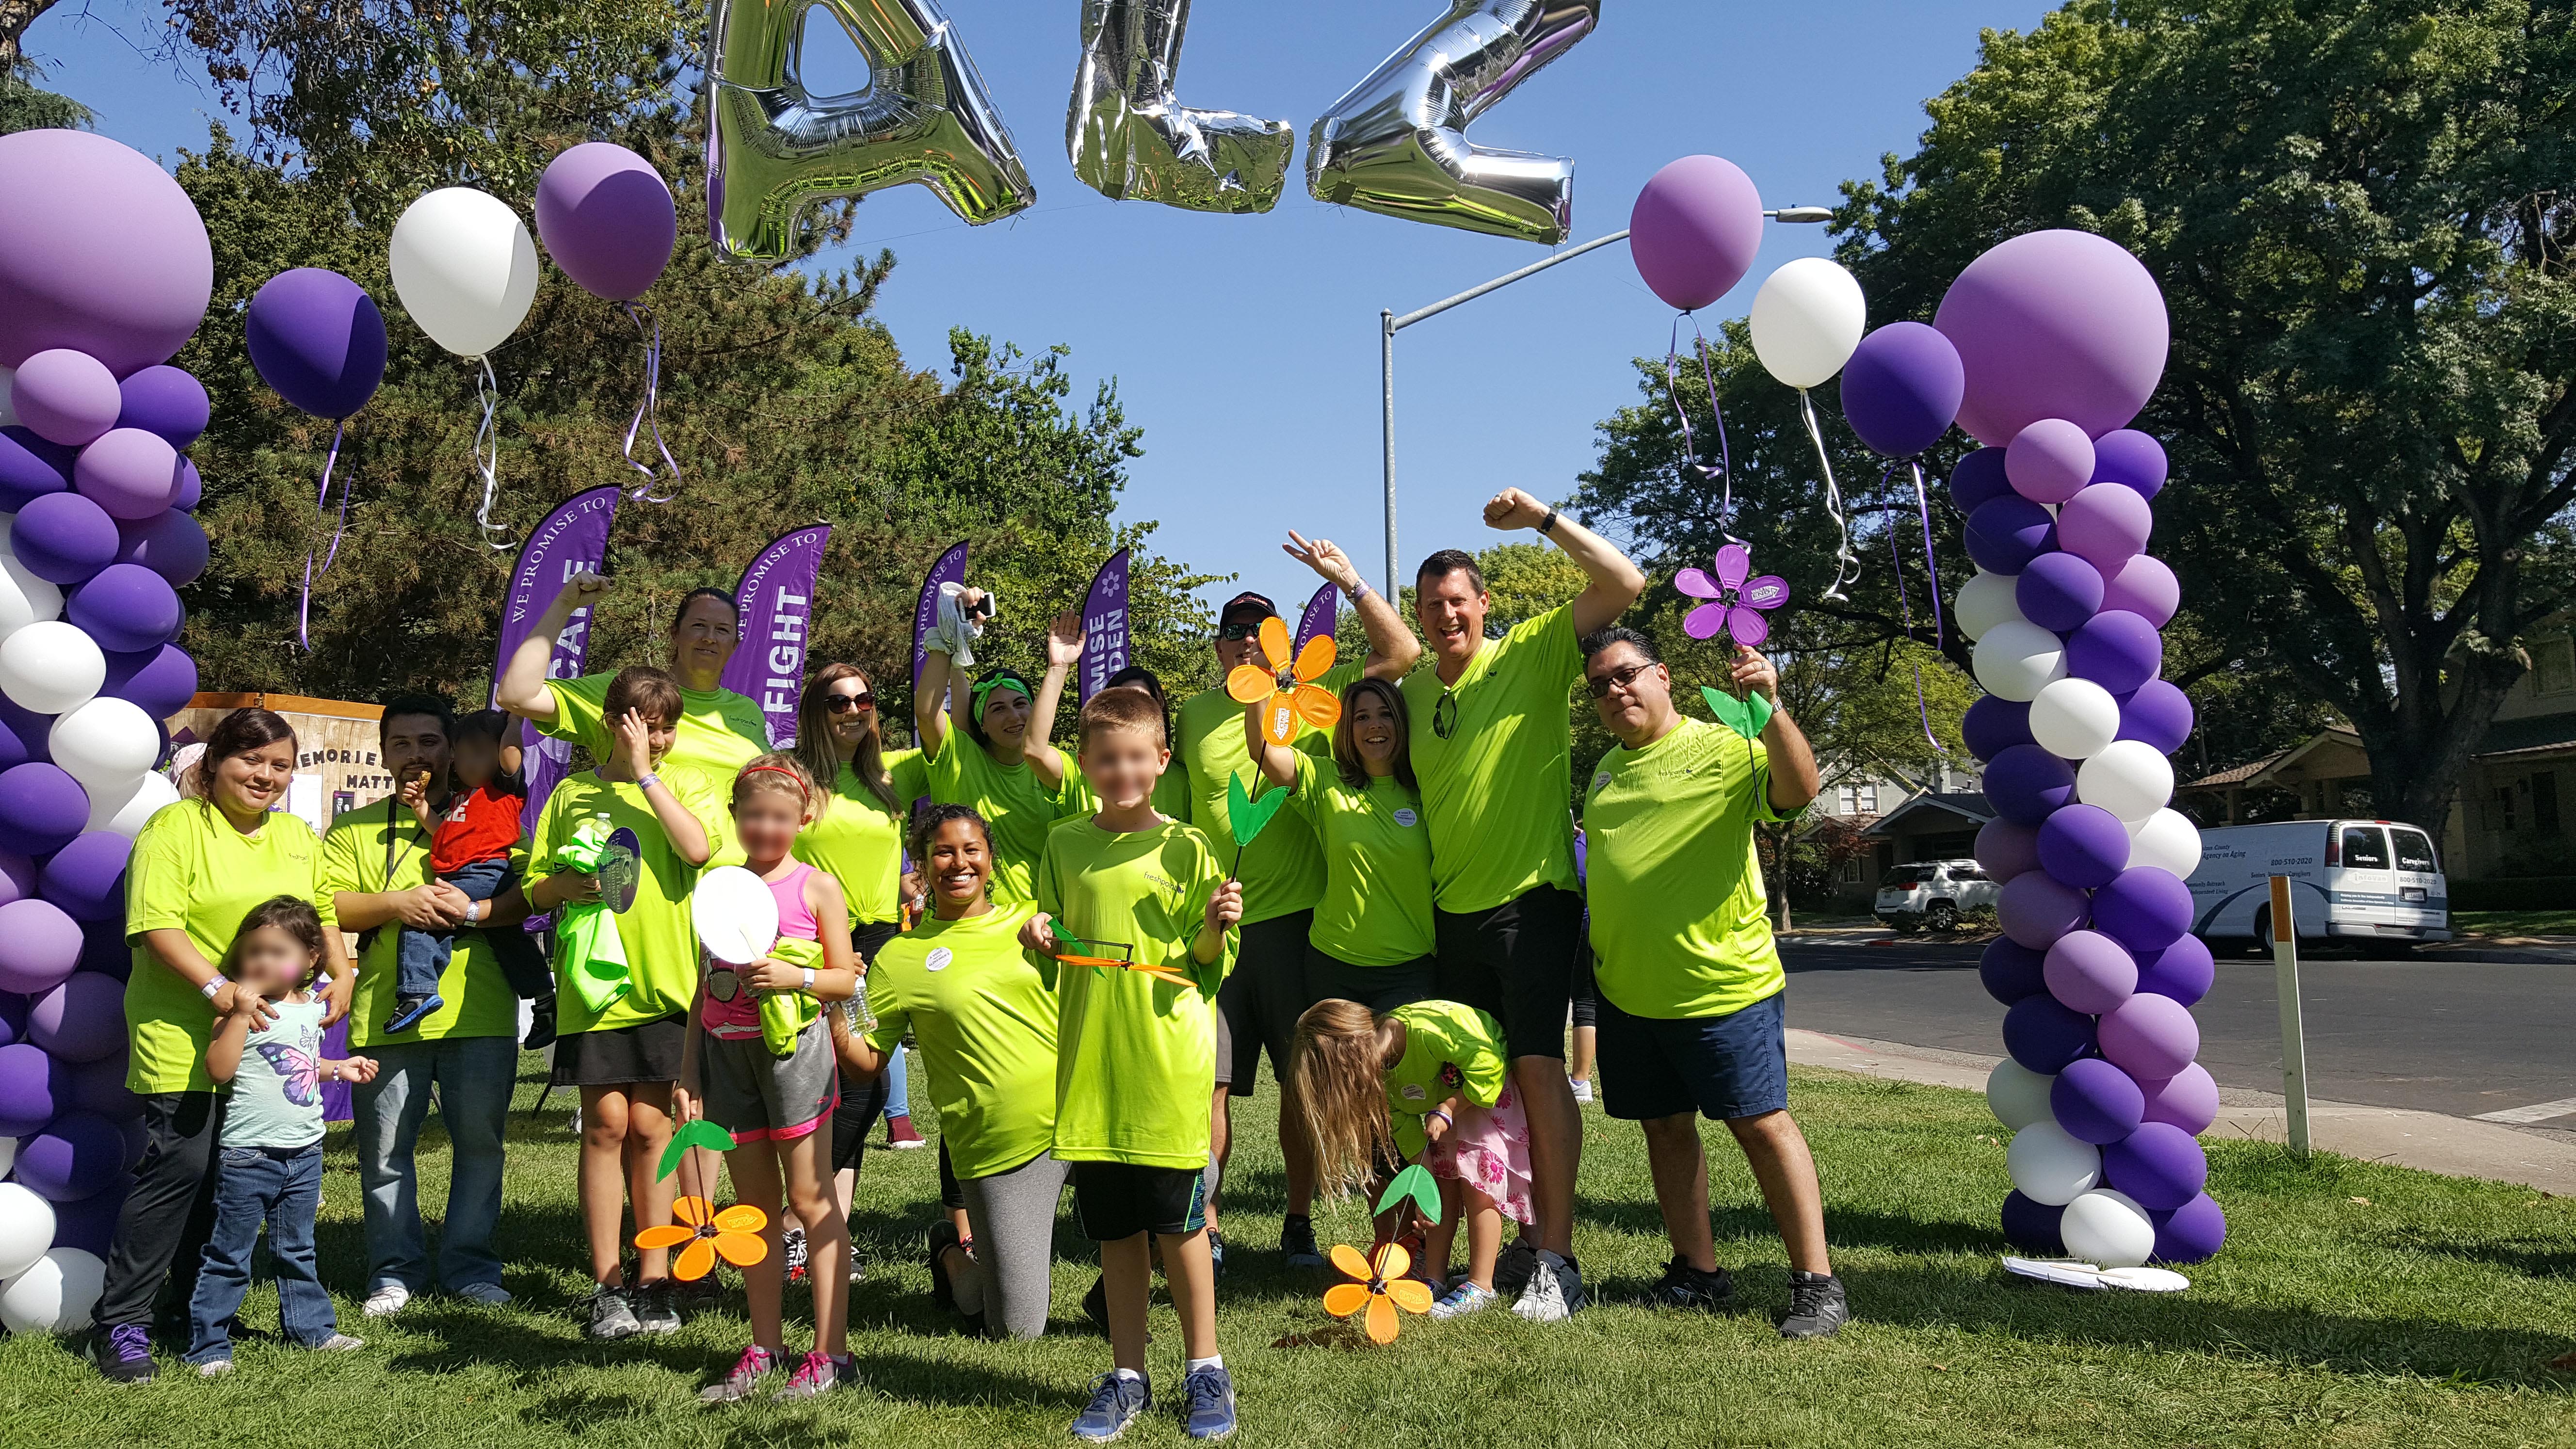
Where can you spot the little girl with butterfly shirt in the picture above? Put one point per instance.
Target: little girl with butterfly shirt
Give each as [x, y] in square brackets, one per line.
[271, 1139]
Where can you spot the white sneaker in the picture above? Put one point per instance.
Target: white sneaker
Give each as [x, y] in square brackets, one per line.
[1555, 1291]
[1582, 1089]
[387, 1301]
[214, 1368]
[340, 1343]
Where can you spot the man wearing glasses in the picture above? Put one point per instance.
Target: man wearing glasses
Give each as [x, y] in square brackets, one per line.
[1492, 748]
[1689, 980]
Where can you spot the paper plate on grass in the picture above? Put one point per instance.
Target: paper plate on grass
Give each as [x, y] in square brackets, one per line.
[620, 867]
[736, 916]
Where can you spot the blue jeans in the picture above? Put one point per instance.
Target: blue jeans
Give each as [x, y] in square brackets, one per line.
[421, 956]
[898, 1085]
[474, 1076]
[282, 1188]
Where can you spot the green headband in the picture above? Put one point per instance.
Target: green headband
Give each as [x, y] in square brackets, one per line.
[984, 690]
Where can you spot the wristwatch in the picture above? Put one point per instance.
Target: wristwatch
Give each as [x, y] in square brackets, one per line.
[1547, 525]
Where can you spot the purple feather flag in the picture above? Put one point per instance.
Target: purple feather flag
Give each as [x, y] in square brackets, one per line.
[950, 569]
[573, 539]
[1104, 626]
[1321, 613]
[776, 603]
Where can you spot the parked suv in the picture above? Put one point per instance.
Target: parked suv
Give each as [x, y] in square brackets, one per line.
[1932, 893]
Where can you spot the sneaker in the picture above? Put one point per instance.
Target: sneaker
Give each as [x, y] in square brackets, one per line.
[857, 1274]
[1297, 1242]
[1582, 1089]
[1209, 1394]
[900, 1136]
[1816, 1306]
[124, 1354]
[489, 1295]
[411, 1011]
[1555, 1292]
[338, 1343]
[792, 1253]
[612, 1314]
[816, 1374]
[1216, 1253]
[214, 1368]
[1512, 1268]
[747, 1372]
[387, 1301]
[657, 1308]
[1684, 1286]
[1464, 1299]
[1116, 1400]
[541, 1024]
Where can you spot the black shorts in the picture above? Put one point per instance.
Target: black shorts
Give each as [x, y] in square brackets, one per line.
[1587, 997]
[951, 1195]
[1265, 995]
[1515, 961]
[1379, 988]
[1723, 1067]
[1118, 1200]
[618, 1056]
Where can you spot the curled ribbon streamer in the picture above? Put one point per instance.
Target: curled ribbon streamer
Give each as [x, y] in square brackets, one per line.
[1846, 563]
[321, 501]
[1690, 446]
[1896, 555]
[487, 458]
[648, 411]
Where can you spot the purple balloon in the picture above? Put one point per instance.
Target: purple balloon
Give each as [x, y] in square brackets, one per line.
[2117, 650]
[2006, 533]
[2033, 1226]
[2083, 845]
[2145, 587]
[24, 735]
[2159, 714]
[17, 878]
[13, 1017]
[2025, 783]
[2188, 1099]
[2106, 523]
[607, 219]
[39, 947]
[2006, 848]
[2183, 970]
[99, 250]
[160, 682]
[166, 401]
[87, 877]
[2090, 972]
[317, 338]
[30, 467]
[32, 1087]
[128, 472]
[2010, 971]
[2054, 324]
[2160, 1165]
[2096, 1102]
[105, 950]
[2036, 910]
[2145, 908]
[2058, 591]
[99, 1085]
[2130, 458]
[1694, 230]
[65, 396]
[82, 1020]
[1900, 389]
[2148, 1036]
[41, 809]
[75, 1156]
[2191, 1233]
[1978, 479]
[191, 488]
[63, 538]
[90, 1224]
[1995, 724]
[2050, 461]
[127, 608]
[2044, 1036]
[170, 543]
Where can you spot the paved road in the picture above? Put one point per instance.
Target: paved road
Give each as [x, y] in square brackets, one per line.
[2462, 1037]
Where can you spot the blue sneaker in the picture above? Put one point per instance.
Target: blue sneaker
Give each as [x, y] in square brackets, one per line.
[411, 1011]
[1116, 1400]
[1210, 1393]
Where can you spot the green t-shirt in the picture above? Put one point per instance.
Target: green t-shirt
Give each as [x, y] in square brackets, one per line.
[191, 871]
[1449, 1049]
[1376, 907]
[1674, 884]
[1283, 868]
[661, 943]
[1135, 1056]
[860, 842]
[984, 1013]
[1496, 789]
[719, 732]
[1171, 796]
[1015, 804]
[478, 996]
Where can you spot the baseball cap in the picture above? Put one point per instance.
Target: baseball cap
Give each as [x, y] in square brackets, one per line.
[1247, 600]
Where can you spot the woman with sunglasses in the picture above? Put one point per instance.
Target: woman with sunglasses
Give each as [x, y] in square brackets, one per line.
[987, 752]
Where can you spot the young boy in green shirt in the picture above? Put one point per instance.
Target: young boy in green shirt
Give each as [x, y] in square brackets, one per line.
[1136, 1050]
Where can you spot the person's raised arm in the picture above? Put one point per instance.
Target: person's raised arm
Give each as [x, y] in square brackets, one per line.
[522, 686]
[1392, 647]
[1064, 652]
[1616, 583]
[688, 834]
[1277, 763]
[1794, 780]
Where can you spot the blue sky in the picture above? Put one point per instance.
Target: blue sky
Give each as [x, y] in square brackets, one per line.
[1246, 347]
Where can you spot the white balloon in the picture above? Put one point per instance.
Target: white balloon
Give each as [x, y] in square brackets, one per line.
[2074, 719]
[50, 667]
[2017, 1095]
[26, 1225]
[106, 744]
[126, 811]
[2128, 778]
[2049, 1165]
[465, 268]
[2166, 840]
[1984, 602]
[2108, 1229]
[55, 1295]
[24, 598]
[1806, 320]
[2018, 658]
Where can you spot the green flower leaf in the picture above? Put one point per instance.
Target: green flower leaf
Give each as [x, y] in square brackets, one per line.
[1745, 716]
[1246, 815]
[701, 1133]
[1414, 1182]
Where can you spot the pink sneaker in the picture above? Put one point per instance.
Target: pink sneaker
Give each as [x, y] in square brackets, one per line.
[747, 1371]
[816, 1374]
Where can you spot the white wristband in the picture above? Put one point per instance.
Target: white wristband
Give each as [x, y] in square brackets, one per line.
[211, 987]
[809, 980]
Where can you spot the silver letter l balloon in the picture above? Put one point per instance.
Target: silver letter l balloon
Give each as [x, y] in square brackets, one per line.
[1130, 139]
[1397, 144]
[774, 148]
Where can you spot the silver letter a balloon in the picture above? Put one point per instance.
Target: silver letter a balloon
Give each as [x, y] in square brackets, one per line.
[775, 149]
[1397, 144]
[1131, 140]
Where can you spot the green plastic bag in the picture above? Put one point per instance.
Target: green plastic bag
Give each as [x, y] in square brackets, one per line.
[784, 1015]
[589, 956]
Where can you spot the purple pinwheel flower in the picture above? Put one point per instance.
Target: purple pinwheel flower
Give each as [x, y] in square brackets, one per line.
[1736, 603]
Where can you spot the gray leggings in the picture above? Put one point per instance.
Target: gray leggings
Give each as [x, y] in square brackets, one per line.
[1013, 1217]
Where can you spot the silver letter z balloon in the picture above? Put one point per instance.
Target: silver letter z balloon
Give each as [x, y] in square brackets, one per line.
[1131, 140]
[774, 148]
[1397, 143]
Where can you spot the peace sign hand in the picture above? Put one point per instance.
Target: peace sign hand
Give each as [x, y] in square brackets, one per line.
[1323, 556]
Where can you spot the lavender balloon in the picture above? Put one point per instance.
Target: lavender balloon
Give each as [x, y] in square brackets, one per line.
[2025, 784]
[2050, 461]
[2011, 971]
[2089, 972]
[2144, 909]
[2130, 458]
[127, 608]
[82, 1020]
[2145, 587]
[2083, 845]
[2191, 1233]
[65, 396]
[2187, 1100]
[73, 1157]
[41, 809]
[2158, 714]
[63, 538]
[2054, 324]
[2183, 971]
[165, 401]
[2106, 523]
[2150, 1037]
[2044, 1036]
[2036, 910]
[2159, 1165]
[2058, 591]
[99, 250]
[1994, 724]
[2096, 1102]
[39, 947]
[191, 488]
[1978, 479]
[1901, 389]
[2006, 533]
[170, 543]
[2117, 650]
[32, 1088]
[128, 472]
[607, 219]
[1694, 230]
[317, 338]
[2005, 848]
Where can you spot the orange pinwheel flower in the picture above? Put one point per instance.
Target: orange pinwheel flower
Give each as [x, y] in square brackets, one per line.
[733, 1232]
[1292, 696]
[1381, 1288]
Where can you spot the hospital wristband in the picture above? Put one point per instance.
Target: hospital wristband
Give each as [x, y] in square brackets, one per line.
[211, 987]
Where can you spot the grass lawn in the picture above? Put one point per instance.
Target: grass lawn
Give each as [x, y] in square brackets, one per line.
[2514, 923]
[2355, 1305]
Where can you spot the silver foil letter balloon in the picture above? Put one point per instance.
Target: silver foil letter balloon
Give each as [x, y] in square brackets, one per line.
[1130, 139]
[1397, 144]
[775, 149]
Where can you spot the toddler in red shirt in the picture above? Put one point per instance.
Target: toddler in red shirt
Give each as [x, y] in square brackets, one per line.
[470, 847]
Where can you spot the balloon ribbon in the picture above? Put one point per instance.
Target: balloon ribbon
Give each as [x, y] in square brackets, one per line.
[648, 411]
[1725, 470]
[487, 457]
[322, 503]
[1931, 566]
[1846, 563]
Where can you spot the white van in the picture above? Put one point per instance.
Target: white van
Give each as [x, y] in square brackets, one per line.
[2366, 880]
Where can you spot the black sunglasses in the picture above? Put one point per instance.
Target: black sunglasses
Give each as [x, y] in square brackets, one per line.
[1239, 631]
[1600, 688]
[845, 703]
[1444, 715]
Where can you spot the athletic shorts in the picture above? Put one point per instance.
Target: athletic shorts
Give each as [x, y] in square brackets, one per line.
[1224, 1048]
[1264, 997]
[621, 1056]
[1587, 997]
[1516, 961]
[952, 1194]
[1118, 1200]
[1722, 1067]
[759, 1097]
[1379, 988]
